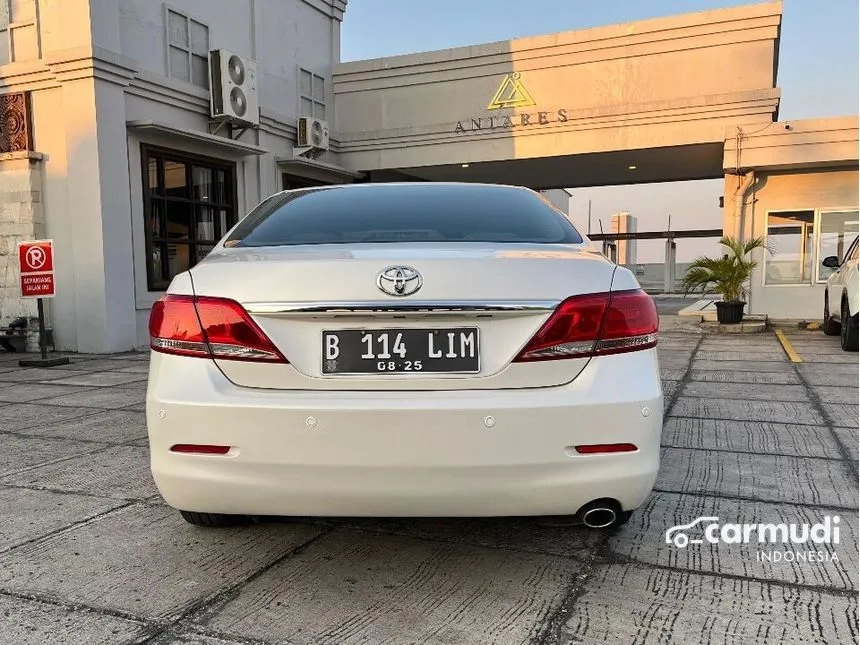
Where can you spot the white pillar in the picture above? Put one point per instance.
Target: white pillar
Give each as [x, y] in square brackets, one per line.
[98, 197]
[669, 267]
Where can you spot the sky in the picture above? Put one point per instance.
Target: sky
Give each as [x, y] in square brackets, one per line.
[818, 76]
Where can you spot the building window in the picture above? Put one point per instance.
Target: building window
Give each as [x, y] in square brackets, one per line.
[19, 31]
[838, 229]
[5, 53]
[311, 95]
[187, 49]
[790, 237]
[800, 240]
[189, 204]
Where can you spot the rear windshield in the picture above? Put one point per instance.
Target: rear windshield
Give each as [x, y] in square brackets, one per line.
[398, 213]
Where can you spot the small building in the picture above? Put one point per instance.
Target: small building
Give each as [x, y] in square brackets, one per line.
[795, 183]
[135, 133]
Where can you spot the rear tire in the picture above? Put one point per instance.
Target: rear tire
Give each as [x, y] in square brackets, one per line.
[831, 327]
[848, 329]
[214, 520]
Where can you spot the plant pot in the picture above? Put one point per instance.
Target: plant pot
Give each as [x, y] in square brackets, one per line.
[730, 313]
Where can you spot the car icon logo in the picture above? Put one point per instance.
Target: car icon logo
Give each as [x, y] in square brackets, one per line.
[399, 281]
[675, 535]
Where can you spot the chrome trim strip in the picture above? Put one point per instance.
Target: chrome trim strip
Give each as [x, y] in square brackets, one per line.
[415, 306]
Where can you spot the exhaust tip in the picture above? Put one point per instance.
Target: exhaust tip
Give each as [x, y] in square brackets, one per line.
[599, 517]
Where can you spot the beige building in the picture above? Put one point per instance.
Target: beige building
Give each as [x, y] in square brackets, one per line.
[796, 184]
[121, 144]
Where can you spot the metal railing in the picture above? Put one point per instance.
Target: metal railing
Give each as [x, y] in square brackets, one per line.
[671, 279]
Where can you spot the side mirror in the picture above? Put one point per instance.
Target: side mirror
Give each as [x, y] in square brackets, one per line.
[831, 262]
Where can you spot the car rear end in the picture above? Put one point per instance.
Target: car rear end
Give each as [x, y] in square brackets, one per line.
[391, 350]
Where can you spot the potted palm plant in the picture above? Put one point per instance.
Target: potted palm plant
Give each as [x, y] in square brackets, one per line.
[727, 275]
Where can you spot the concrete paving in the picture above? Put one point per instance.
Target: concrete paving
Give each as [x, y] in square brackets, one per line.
[90, 554]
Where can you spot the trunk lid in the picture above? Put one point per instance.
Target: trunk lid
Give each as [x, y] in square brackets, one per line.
[504, 291]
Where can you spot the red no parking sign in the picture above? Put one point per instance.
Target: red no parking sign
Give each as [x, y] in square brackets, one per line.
[36, 263]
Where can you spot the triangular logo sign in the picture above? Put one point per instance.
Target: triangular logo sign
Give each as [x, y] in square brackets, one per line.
[511, 94]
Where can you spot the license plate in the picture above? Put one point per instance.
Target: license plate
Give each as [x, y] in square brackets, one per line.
[400, 351]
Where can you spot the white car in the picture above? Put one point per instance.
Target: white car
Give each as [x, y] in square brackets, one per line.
[841, 298]
[412, 349]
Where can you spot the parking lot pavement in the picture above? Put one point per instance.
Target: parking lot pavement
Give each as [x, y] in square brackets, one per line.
[90, 554]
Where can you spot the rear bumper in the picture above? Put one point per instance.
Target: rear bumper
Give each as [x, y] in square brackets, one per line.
[404, 453]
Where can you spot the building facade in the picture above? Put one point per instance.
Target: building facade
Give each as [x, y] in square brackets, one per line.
[109, 146]
[120, 164]
[795, 184]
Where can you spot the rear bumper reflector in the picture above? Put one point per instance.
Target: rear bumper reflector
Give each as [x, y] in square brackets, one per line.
[598, 448]
[199, 449]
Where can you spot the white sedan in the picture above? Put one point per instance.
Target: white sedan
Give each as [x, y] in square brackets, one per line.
[412, 349]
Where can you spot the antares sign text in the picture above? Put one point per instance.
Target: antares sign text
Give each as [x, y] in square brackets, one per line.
[512, 121]
[512, 94]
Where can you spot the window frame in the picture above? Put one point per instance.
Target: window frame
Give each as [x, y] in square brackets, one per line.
[189, 52]
[314, 101]
[814, 280]
[148, 151]
[6, 28]
[851, 251]
[11, 24]
[818, 259]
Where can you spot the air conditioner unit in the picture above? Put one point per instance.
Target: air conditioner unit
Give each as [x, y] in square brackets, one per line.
[313, 134]
[233, 94]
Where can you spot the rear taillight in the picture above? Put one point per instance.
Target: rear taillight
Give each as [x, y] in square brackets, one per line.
[596, 324]
[208, 328]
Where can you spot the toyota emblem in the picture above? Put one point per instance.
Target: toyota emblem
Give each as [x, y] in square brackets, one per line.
[399, 281]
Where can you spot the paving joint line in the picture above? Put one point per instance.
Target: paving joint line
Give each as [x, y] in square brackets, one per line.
[683, 381]
[199, 630]
[53, 381]
[551, 632]
[617, 558]
[740, 398]
[737, 370]
[22, 435]
[83, 387]
[163, 625]
[805, 505]
[67, 527]
[51, 462]
[743, 498]
[795, 423]
[778, 358]
[113, 408]
[737, 381]
[747, 452]
[63, 491]
[743, 452]
[91, 412]
[73, 607]
[200, 606]
[445, 540]
[819, 406]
